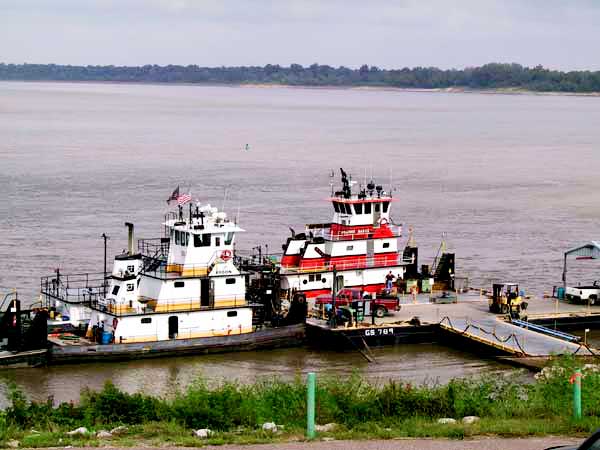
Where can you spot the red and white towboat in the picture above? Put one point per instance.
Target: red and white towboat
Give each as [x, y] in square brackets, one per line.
[360, 245]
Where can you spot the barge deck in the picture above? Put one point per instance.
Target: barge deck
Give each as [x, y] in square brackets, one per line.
[469, 325]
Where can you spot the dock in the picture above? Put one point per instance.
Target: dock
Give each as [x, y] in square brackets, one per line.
[469, 325]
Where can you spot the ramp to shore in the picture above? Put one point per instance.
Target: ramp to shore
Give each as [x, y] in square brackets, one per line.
[511, 340]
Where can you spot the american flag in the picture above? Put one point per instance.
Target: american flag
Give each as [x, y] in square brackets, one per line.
[182, 199]
[174, 195]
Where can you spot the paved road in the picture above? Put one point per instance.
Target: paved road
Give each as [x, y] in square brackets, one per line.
[414, 444]
[401, 444]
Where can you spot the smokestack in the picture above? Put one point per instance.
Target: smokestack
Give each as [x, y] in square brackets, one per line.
[129, 237]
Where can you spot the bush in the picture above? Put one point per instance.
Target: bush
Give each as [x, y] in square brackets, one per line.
[352, 402]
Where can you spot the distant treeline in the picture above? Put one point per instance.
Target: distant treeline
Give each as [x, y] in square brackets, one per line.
[489, 76]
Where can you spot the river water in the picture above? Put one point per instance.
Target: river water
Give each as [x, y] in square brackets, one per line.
[511, 179]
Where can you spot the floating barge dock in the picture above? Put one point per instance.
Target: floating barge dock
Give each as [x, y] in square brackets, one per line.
[469, 325]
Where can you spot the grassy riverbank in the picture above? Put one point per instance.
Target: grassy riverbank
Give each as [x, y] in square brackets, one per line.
[236, 412]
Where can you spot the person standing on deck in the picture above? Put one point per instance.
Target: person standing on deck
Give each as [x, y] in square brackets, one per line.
[389, 280]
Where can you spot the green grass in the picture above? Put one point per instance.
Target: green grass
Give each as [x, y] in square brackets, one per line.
[362, 411]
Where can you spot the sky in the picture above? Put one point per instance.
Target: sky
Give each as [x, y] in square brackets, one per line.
[559, 34]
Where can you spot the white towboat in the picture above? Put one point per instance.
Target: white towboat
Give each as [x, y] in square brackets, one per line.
[360, 245]
[179, 288]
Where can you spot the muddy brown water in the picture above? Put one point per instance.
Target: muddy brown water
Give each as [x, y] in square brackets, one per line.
[511, 179]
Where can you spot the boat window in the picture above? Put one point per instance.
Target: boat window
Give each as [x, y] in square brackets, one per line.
[336, 207]
[146, 319]
[367, 208]
[131, 269]
[231, 313]
[311, 278]
[386, 245]
[228, 238]
[348, 208]
[177, 237]
[184, 239]
[129, 287]
[201, 240]
[386, 206]
[358, 208]
[115, 290]
[376, 207]
[217, 241]
[349, 247]
[304, 281]
[229, 280]
[179, 284]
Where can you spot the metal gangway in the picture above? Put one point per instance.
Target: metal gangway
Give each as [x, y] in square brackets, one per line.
[514, 340]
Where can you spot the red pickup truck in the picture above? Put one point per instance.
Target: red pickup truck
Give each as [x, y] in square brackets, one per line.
[382, 304]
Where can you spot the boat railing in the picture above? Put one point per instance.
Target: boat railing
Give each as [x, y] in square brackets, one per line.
[146, 305]
[396, 232]
[161, 268]
[73, 288]
[367, 263]
[154, 247]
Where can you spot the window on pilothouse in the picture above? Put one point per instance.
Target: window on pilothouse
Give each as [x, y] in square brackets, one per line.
[228, 238]
[336, 207]
[217, 241]
[358, 208]
[201, 240]
[115, 290]
[376, 207]
[386, 205]
[367, 208]
[348, 208]
[176, 237]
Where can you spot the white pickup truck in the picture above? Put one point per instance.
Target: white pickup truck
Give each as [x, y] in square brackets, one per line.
[584, 294]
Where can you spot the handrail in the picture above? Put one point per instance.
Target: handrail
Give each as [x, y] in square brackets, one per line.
[356, 236]
[162, 267]
[74, 288]
[505, 340]
[545, 330]
[187, 304]
[500, 340]
[372, 262]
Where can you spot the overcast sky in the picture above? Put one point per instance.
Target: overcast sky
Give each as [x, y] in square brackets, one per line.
[561, 34]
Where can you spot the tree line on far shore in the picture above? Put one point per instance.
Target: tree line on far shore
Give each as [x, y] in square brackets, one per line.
[488, 76]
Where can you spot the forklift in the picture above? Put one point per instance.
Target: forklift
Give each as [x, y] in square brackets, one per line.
[506, 298]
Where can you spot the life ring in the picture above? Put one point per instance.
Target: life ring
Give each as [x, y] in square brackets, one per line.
[383, 221]
[225, 255]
